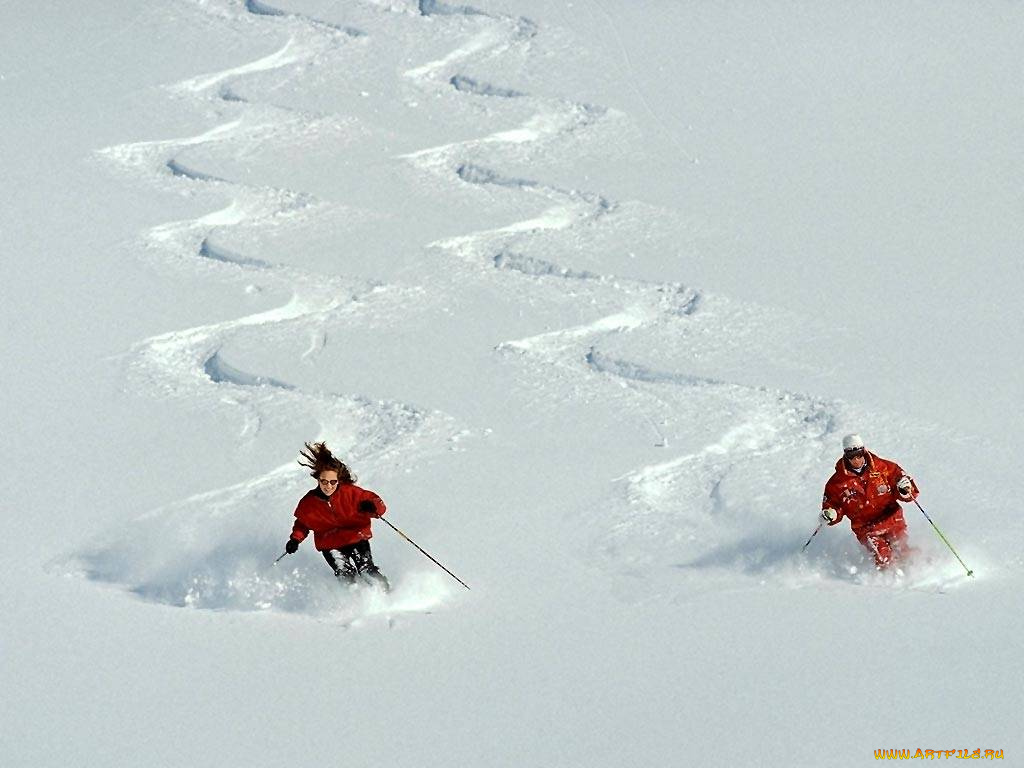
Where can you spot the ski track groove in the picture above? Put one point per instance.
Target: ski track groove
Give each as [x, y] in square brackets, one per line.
[258, 8]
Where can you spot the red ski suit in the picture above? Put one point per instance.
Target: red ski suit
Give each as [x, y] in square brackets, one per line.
[871, 502]
[334, 520]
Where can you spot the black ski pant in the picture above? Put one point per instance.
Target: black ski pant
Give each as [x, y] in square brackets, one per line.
[355, 559]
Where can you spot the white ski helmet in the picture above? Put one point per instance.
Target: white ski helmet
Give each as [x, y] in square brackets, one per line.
[852, 444]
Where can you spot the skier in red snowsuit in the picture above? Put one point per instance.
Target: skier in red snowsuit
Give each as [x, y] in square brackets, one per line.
[338, 512]
[867, 489]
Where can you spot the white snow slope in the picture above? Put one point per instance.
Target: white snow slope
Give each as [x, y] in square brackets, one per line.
[589, 292]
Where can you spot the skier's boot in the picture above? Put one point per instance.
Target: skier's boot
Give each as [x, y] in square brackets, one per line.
[377, 579]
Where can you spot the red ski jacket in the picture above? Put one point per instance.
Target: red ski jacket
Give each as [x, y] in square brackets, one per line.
[335, 521]
[867, 498]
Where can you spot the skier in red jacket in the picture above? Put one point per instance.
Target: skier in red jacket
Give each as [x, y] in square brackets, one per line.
[867, 489]
[338, 512]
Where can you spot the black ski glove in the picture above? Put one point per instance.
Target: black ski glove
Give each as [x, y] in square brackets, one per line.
[367, 507]
[291, 546]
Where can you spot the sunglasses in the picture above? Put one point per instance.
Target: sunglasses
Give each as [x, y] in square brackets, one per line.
[328, 482]
[858, 454]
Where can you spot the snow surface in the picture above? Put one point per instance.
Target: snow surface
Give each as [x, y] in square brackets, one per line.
[589, 292]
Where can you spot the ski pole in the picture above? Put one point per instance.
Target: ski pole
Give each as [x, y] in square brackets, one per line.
[812, 536]
[278, 559]
[944, 539]
[424, 552]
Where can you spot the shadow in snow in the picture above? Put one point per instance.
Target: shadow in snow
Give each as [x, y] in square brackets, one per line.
[209, 251]
[524, 27]
[635, 372]
[228, 94]
[230, 576]
[258, 8]
[528, 265]
[222, 373]
[753, 554]
[474, 174]
[468, 85]
[435, 8]
[182, 171]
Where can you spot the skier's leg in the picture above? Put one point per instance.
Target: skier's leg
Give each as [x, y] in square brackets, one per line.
[341, 564]
[891, 536]
[363, 559]
[898, 537]
[899, 551]
[876, 544]
[883, 551]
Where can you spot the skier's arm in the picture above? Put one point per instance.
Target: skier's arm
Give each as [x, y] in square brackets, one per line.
[370, 503]
[299, 531]
[903, 485]
[828, 503]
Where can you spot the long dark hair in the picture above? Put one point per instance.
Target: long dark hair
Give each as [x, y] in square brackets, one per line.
[318, 457]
